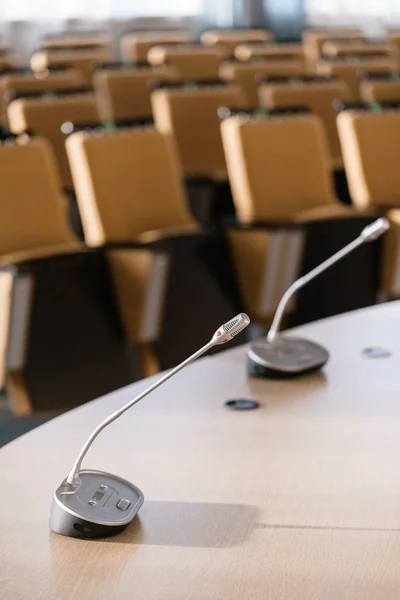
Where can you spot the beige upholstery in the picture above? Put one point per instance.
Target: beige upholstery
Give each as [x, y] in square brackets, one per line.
[318, 97]
[135, 46]
[246, 52]
[191, 115]
[313, 40]
[193, 62]
[371, 153]
[76, 41]
[278, 166]
[266, 262]
[45, 81]
[394, 41]
[84, 61]
[247, 75]
[128, 182]
[380, 90]
[125, 93]
[333, 49]
[32, 206]
[349, 71]
[228, 39]
[6, 62]
[391, 256]
[45, 116]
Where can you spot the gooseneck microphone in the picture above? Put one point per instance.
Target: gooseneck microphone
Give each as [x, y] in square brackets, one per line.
[282, 356]
[92, 504]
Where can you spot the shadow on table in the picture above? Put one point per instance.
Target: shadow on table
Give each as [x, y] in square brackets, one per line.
[189, 524]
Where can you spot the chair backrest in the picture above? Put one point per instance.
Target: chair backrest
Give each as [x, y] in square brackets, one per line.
[45, 116]
[278, 166]
[32, 205]
[84, 61]
[125, 93]
[371, 149]
[47, 81]
[193, 62]
[247, 75]
[334, 49]
[246, 52]
[6, 62]
[313, 40]
[380, 90]
[135, 46]
[350, 70]
[317, 96]
[228, 39]
[191, 115]
[76, 41]
[127, 182]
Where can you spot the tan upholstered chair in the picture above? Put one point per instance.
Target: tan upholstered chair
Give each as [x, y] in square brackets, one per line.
[247, 75]
[44, 116]
[380, 90]
[81, 41]
[343, 48]
[228, 39]
[371, 144]
[193, 62]
[62, 343]
[279, 171]
[313, 41]
[248, 52]
[6, 62]
[124, 93]
[391, 257]
[82, 60]
[47, 81]
[135, 46]
[191, 116]
[350, 70]
[129, 187]
[318, 96]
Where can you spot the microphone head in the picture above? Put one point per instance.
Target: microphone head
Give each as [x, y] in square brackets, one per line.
[374, 230]
[228, 331]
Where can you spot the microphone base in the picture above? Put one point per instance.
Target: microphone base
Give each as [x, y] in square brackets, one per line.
[100, 505]
[285, 358]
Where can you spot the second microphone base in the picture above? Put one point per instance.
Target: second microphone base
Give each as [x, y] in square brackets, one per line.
[285, 357]
[100, 505]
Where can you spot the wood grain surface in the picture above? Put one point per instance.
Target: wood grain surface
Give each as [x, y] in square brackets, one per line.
[297, 500]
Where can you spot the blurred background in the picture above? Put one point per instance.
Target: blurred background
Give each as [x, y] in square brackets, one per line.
[165, 165]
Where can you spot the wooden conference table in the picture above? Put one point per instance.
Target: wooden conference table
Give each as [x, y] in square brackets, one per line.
[299, 499]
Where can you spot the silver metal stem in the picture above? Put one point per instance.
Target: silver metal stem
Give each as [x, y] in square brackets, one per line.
[73, 476]
[304, 280]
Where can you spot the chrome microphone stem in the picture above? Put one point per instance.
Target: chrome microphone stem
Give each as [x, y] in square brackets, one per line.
[304, 280]
[73, 476]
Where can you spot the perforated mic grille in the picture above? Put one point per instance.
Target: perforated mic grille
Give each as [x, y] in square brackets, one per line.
[228, 326]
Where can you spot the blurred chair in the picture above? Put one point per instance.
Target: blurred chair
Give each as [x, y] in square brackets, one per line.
[381, 88]
[247, 75]
[278, 167]
[62, 342]
[44, 116]
[123, 92]
[84, 61]
[76, 41]
[350, 70]
[315, 93]
[370, 144]
[190, 114]
[249, 52]
[130, 189]
[394, 41]
[390, 276]
[21, 81]
[228, 39]
[135, 46]
[193, 62]
[343, 48]
[6, 63]
[313, 40]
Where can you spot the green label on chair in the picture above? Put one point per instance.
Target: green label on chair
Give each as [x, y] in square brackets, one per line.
[109, 125]
[261, 113]
[375, 106]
